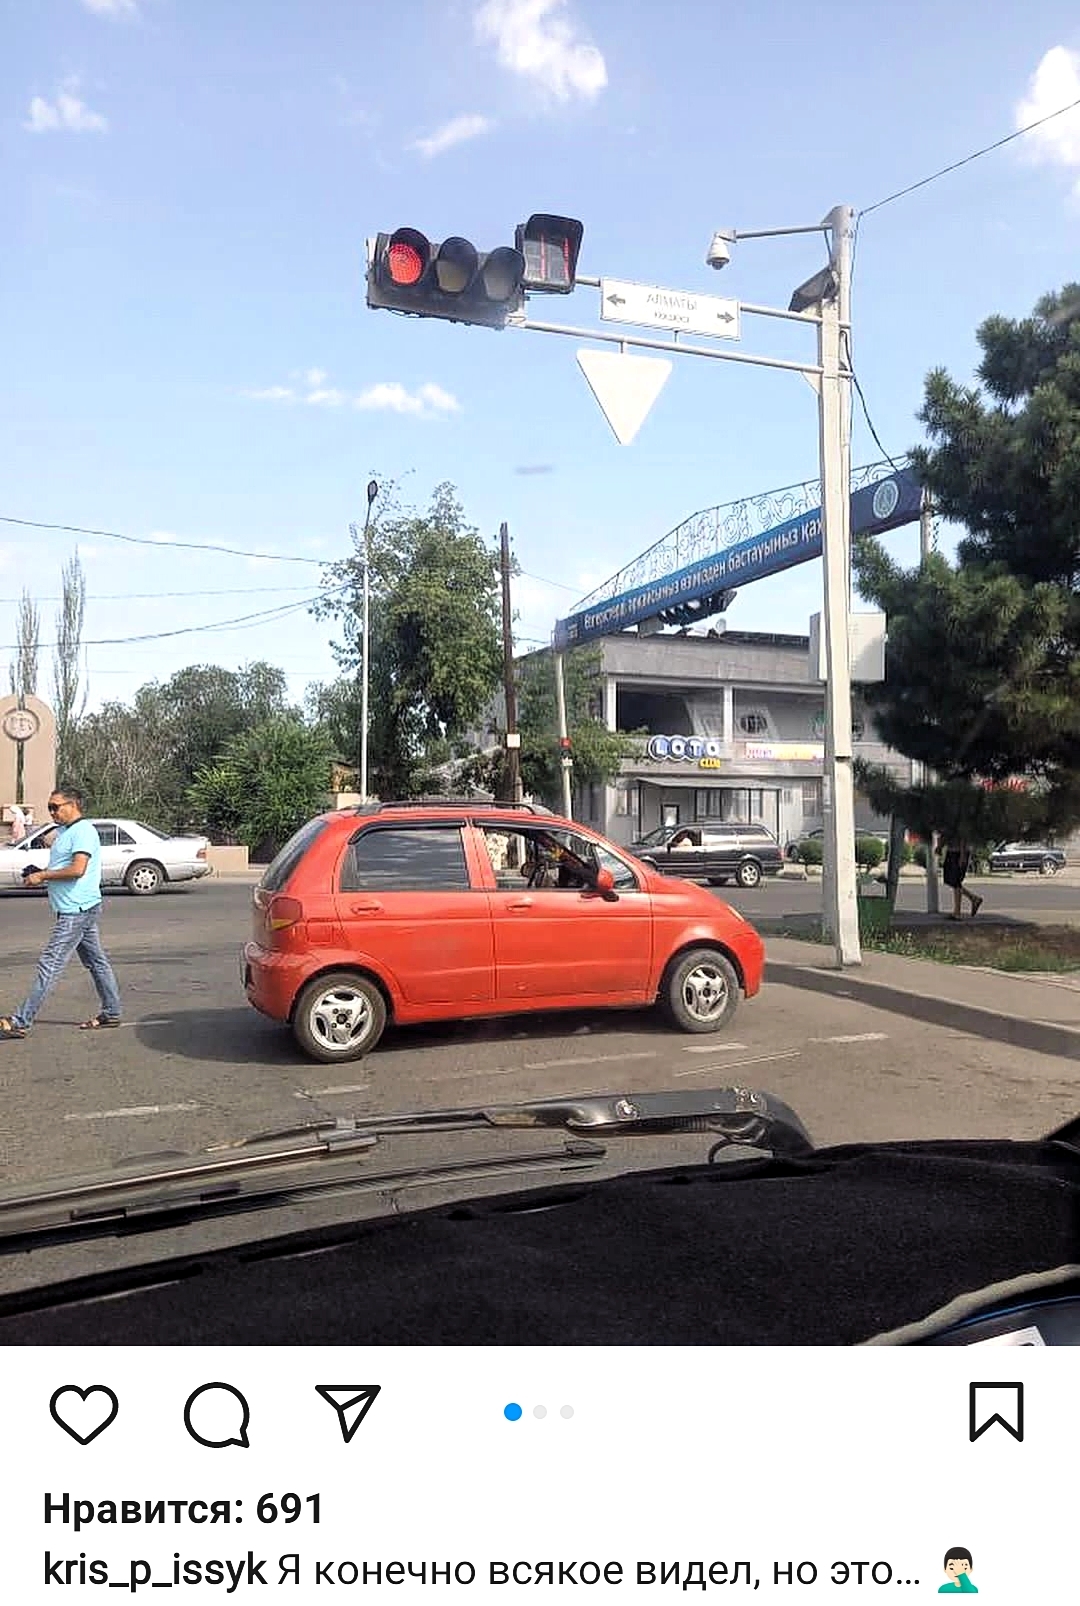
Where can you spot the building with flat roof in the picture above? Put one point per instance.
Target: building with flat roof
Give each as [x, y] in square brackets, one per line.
[734, 729]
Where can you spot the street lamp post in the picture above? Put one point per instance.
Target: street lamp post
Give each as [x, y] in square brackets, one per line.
[365, 656]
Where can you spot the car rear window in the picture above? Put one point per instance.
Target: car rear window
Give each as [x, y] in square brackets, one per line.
[418, 858]
[291, 854]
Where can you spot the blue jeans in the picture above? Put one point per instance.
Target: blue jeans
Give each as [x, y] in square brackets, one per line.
[72, 934]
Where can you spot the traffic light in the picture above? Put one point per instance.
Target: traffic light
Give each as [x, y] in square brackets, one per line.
[407, 272]
[550, 246]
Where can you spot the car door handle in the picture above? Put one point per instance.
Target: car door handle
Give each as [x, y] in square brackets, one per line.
[520, 903]
[371, 907]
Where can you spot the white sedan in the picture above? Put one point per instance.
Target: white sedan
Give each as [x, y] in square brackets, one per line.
[134, 856]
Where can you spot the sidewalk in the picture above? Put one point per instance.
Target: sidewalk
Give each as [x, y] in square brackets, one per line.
[1038, 1013]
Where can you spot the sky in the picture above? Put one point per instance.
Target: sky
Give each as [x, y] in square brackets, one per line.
[187, 353]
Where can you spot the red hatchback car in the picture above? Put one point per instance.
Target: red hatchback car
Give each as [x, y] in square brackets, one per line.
[440, 911]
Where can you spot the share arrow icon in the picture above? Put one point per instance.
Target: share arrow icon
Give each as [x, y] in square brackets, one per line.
[351, 1401]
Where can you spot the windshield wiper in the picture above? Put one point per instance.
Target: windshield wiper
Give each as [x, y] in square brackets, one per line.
[740, 1115]
[249, 1177]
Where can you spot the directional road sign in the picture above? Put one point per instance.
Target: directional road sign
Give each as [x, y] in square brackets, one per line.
[657, 308]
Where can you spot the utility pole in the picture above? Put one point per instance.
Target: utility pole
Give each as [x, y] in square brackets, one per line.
[841, 910]
[933, 893]
[513, 736]
[566, 763]
[365, 654]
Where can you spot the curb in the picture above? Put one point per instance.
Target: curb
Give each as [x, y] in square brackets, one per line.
[1040, 1037]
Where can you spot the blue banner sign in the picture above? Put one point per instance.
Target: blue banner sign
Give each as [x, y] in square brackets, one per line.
[885, 505]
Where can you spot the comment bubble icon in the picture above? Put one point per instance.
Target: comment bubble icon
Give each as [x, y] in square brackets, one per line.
[217, 1415]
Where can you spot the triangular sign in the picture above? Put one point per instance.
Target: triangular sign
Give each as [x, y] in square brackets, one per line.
[625, 387]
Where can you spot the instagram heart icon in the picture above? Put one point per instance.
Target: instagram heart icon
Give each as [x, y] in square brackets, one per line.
[84, 1413]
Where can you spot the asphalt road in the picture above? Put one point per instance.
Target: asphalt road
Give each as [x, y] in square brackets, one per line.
[1050, 899]
[194, 1066]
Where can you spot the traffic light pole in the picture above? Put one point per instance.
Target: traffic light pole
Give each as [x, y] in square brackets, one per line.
[513, 740]
[825, 302]
[566, 763]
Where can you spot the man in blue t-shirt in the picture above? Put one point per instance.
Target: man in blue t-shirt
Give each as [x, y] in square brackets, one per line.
[73, 882]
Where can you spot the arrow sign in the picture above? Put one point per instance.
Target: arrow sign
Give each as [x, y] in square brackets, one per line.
[625, 387]
[654, 307]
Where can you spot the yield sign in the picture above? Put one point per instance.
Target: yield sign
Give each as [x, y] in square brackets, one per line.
[625, 387]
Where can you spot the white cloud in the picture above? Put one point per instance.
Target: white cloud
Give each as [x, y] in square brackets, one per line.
[112, 8]
[428, 401]
[390, 396]
[66, 112]
[539, 40]
[1054, 84]
[455, 132]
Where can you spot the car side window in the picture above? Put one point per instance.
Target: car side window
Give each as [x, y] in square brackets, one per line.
[685, 841]
[125, 839]
[406, 858]
[107, 833]
[545, 858]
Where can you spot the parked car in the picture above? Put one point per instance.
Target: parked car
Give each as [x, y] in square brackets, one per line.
[1027, 856]
[791, 851]
[133, 855]
[712, 852]
[445, 911]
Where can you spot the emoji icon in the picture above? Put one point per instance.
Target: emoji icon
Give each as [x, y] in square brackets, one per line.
[217, 1415]
[84, 1413]
[958, 1573]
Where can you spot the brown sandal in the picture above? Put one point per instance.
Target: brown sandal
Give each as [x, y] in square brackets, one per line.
[9, 1029]
[98, 1023]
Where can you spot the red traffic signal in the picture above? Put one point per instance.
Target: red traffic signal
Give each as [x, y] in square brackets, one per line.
[550, 246]
[407, 272]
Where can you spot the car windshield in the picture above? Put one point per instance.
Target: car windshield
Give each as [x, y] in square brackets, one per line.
[582, 748]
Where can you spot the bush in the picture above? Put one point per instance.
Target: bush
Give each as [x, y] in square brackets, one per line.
[918, 855]
[869, 852]
[906, 853]
[811, 850]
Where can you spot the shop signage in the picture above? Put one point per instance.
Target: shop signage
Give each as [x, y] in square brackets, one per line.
[787, 752]
[681, 748]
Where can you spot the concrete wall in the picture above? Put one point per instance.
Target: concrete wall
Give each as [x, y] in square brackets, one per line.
[39, 757]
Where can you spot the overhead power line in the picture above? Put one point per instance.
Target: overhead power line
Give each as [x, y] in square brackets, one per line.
[163, 546]
[241, 622]
[984, 150]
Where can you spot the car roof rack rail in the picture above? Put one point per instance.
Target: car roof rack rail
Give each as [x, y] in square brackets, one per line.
[457, 803]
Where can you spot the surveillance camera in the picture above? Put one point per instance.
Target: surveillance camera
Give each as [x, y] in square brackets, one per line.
[719, 253]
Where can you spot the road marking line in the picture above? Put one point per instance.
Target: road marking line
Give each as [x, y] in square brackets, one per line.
[853, 1037]
[711, 1048]
[325, 1092]
[592, 1059]
[133, 1109]
[731, 1065]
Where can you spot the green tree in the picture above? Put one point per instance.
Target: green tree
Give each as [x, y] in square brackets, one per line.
[265, 783]
[597, 751]
[69, 628]
[23, 671]
[141, 759]
[983, 660]
[435, 656]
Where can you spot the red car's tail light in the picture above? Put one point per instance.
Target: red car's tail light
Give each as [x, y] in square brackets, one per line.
[284, 912]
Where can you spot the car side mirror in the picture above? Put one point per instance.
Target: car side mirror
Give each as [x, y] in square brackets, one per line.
[603, 886]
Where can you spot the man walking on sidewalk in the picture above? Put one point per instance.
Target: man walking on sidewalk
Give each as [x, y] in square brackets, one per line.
[73, 882]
